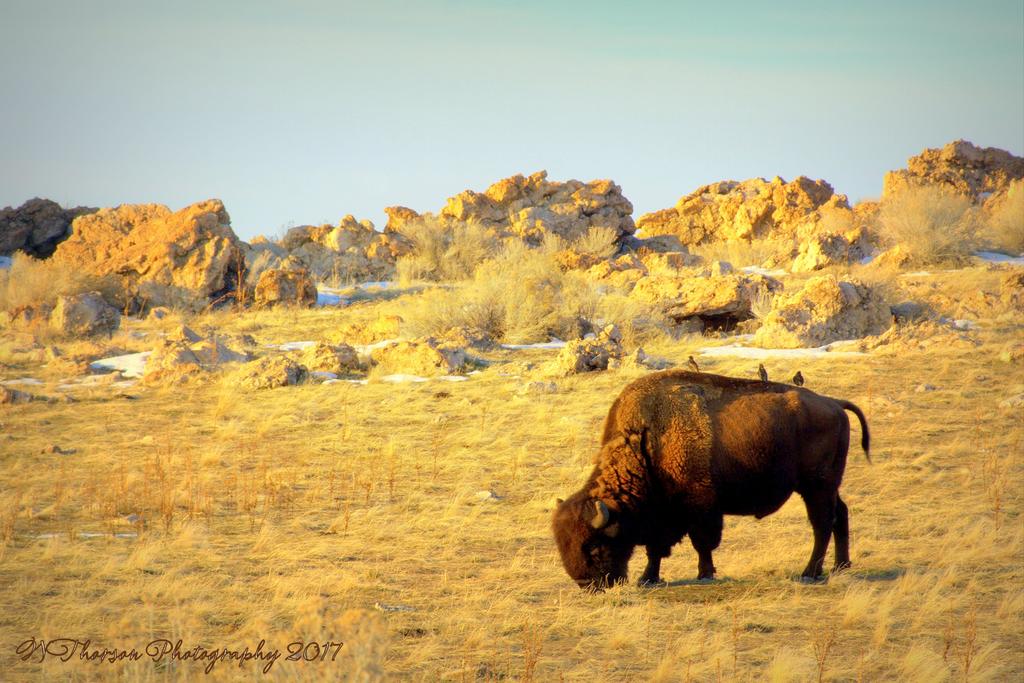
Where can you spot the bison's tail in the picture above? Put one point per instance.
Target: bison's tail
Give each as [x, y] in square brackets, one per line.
[865, 435]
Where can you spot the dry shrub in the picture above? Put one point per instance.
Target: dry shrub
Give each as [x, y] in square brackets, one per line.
[598, 242]
[519, 296]
[1005, 225]
[31, 282]
[640, 323]
[742, 253]
[934, 225]
[761, 304]
[444, 252]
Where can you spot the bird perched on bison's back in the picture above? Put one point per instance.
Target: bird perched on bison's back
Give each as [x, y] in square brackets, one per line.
[762, 373]
[680, 450]
[798, 379]
[693, 364]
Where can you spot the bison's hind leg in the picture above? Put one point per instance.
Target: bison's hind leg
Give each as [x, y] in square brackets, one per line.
[842, 535]
[706, 535]
[821, 511]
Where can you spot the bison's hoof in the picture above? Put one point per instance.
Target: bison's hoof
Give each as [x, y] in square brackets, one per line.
[841, 567]
[813, 579]
[656, 582]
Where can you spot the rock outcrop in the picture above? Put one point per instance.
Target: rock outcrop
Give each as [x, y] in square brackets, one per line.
[83, 315]
[422, 357]
[823, 311]
[532, 207]
[351, 250]
[756, 208]
[960, 166]
[36, 227]
[718, 301]
[189, 258]
[279, 287]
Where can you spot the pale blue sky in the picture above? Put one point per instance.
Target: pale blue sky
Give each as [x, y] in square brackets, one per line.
[301, 112]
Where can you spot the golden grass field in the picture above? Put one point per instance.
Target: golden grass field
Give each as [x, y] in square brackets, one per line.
[351, 513]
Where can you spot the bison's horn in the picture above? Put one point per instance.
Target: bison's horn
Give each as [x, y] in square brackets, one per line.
[602, 515]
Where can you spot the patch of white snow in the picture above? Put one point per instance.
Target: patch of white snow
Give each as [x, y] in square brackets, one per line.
[130, 364]
[996, 257]
[553, 344]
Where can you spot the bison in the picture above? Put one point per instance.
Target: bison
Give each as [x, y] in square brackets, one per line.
[681, 449]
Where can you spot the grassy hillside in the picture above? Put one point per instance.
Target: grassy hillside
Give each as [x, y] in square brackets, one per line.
[412, 522]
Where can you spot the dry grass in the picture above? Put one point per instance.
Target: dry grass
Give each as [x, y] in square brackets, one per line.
[288, 515]
[932, 224]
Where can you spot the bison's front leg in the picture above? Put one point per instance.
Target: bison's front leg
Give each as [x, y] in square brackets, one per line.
[652, 574]
[705, 535]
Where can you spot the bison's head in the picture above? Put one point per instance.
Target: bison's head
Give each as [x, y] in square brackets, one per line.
[590, 540]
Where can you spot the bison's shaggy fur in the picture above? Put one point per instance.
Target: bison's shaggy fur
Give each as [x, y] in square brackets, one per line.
[682, 449]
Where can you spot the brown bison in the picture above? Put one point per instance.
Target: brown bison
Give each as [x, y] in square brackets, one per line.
[682, 449]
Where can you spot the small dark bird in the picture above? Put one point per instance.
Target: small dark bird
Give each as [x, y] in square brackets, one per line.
[693, 364]
[798, 379]
[762, 373]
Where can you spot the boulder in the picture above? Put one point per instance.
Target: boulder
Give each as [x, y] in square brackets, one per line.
[171, 362]
[278, 287]
[728, 297]
[638, 360]
[269, 372]
[10, 396]
[176, 360]
[821, 251]
[36, 227]
[581, 355]
[622, 272]
[975, 172]
[720, 268]
[83, 315]
[893, 258]
[423, 357]
[323, 357]
[751, 209]
[823, 311]
[588, 355]
[183, 333]
[669, 262]
[189, 258]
